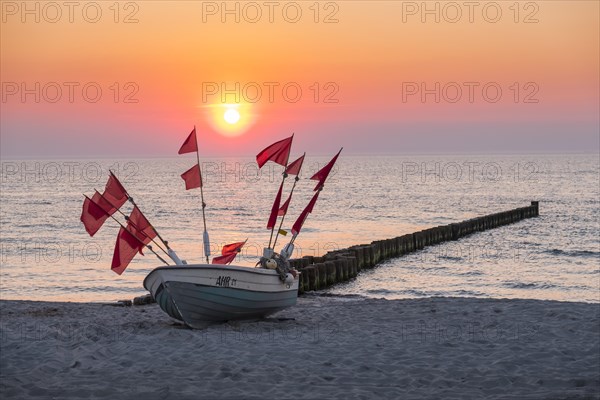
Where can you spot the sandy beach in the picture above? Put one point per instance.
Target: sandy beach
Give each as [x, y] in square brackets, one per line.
[325, 347]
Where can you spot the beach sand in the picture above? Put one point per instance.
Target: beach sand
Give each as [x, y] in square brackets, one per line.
[326, 347]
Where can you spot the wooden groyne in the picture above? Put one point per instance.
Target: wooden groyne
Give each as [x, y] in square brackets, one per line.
[341, 265]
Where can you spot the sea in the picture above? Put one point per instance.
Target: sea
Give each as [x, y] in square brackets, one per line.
[47, 255]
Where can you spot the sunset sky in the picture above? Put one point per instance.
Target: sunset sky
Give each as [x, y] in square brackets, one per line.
[361, 67]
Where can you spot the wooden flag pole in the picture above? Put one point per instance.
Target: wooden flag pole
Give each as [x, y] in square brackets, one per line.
[136, 228]
[316, 194]
[320, 186]
[239, 250]
[273, 228]
[285, 175]
[122, 226]
[283, 217]
[132, 201]
[206, 253]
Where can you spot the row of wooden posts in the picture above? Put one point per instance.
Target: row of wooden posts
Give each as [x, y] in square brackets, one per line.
[341, 265]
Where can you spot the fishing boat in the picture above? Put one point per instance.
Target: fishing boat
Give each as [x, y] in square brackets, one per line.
[215, 291]
[206, 292]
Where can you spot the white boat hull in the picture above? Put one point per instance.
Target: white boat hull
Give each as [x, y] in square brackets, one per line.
[204, 292]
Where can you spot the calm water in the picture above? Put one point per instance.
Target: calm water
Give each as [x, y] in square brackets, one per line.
[47, 255]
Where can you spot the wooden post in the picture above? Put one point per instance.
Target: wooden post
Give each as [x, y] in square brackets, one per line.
[309, 258]
[376, 246]
[417, 241]
[536, 208]
[313, 277]
[351, 261]
[322, 271]
[301, 282]
[305, 280]
[357, 253]
[369, 255]
[331, 273]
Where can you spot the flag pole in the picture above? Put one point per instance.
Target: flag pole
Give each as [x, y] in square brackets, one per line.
[285, 175]
[206, 245]
[273, 228]
[239, 250]
[122, 226]
[132, 201]
[322, 176]
[127, 219]
[283, 217]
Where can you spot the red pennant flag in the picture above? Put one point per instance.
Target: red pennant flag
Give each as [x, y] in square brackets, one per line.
[192, 178]
[93, 215]
[278, 152]
[322, 174]
[101, 201]
[229, 253]
[309, 208]
[283, 209]
[140, 226]
[114, 192]
[294, 167]
[275, 209]
[126, 247]
[190, 145]
[226, 259]
[232, 248]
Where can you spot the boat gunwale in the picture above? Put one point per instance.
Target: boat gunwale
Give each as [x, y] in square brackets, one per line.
[240, 268]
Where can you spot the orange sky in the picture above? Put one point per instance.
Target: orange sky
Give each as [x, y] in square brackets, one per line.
[373, 52]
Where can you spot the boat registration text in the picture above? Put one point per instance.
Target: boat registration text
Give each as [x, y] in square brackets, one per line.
[225, 281]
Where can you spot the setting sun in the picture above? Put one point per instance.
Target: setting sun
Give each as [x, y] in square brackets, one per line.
[231, 116]
[230, 119]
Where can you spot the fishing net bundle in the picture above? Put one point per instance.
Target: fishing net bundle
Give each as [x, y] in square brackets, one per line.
[283, 265]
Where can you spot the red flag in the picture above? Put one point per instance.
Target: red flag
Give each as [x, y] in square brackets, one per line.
[283, 209]
[192, 178]
[232, 248]
[275, 209]
[226, 259]
[309, 208]
[140, 226]
[101, 201]
[190, 145]
[322, 174]
[114, 192]
[278, 152]
[126, 247]
[93, 215]
[295, 166]
[229, 253]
